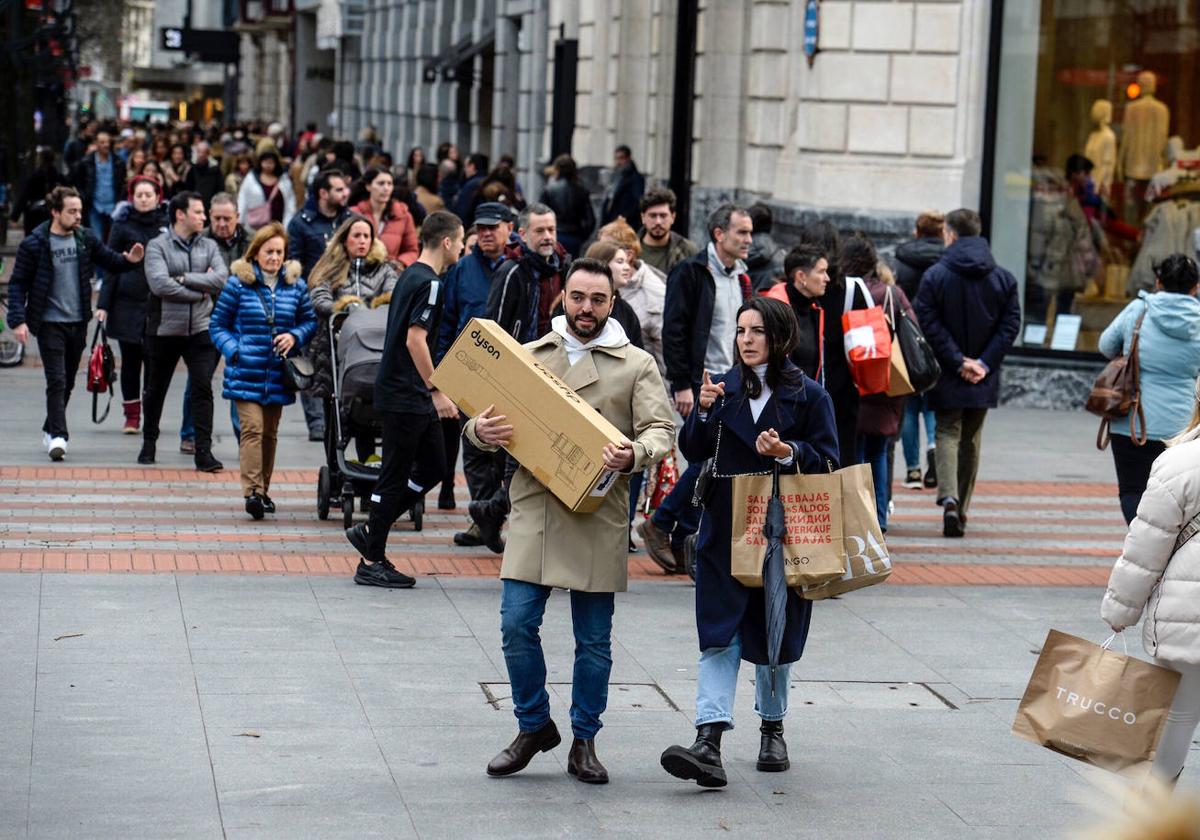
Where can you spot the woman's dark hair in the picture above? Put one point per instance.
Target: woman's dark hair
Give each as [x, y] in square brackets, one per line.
[801, 258]
[273, 155]
[412, 153]
[374, 172]
[565, 166]
[1177, 273]
[343, 232]
[182, 148]
[824, 235]
[858, 257]
[1078, 163]
[782, 334]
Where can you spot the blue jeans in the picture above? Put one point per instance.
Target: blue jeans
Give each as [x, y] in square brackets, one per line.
[677, 515]
[717, 686]
[873, 450]
[101, 225]
[916, 408]
[522, 606]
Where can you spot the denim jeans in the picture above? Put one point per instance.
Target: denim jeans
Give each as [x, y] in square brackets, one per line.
[187, 429]
[522, 606]
[677, 515]
[717, 686]
[915, 409]
[873, 450]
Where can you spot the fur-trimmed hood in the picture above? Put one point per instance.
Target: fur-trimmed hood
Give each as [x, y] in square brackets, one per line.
[244, 271]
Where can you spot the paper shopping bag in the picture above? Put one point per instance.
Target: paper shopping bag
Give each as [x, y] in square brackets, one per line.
[899, 383]
[812, 548]
[867, 559]
[1096, 705]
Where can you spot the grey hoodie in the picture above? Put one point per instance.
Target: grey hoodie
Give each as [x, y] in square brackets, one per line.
[185, 279]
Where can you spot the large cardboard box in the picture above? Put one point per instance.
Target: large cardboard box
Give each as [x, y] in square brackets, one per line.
[557, 436]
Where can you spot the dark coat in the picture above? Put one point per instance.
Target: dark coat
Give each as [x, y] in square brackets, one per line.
[31, 202]
[764, 262]
[879, 414]
[85, 180]
[968, 306]
[624, 196]
[624, 315]
[519, 285]
[33, 274]
[468, 199]
[687, 320]
[309, 231]
[466, 295]
[124, 295]
[803, 416]
[572, 208]
[810, 337]
[913, 258]
[231, 249]
[206, 180]
[240, 331]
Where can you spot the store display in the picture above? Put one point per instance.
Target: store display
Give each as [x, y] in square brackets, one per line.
[1101, 148]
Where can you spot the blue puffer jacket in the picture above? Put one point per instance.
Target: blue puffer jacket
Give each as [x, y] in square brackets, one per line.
[239, 329]
[1168, 358]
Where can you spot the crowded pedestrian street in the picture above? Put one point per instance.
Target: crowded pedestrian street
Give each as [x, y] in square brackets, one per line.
[536, 419]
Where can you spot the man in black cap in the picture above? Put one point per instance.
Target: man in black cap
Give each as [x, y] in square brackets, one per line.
[467, 287]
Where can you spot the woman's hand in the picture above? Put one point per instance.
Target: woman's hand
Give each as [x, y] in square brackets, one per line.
[101, 315]
[1117, 628]
[709, 392]
[769, 445]
[284, 342]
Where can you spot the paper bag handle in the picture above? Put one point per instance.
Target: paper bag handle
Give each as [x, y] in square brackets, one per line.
[1108, 642]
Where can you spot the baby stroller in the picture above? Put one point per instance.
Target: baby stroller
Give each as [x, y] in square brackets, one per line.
[356, 338]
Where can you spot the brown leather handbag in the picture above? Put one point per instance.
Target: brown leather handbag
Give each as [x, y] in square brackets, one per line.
[1117, 393]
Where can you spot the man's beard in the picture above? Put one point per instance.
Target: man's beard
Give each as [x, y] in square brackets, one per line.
[587, 332]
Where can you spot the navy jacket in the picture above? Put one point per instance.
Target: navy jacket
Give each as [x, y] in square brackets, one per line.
[239, 329]
[624, 197]
[85, 180]
[33, 274]
[466, 294]
[968, 306]
[687, 319]
[309, 231]
[125, 296]
[803, 416]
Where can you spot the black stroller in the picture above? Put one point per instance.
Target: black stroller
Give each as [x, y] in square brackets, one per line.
[356, 338]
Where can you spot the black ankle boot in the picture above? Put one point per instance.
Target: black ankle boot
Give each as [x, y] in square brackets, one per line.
[772, 752]
[701, 761]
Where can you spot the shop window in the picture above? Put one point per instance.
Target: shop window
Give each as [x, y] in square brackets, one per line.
[1097, 151]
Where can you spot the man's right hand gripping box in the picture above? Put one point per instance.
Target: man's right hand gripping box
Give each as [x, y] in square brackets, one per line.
[557, 436]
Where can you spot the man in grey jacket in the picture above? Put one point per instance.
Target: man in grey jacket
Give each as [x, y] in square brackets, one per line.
[185, 273]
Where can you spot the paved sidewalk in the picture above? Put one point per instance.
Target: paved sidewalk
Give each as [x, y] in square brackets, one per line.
[286, 707]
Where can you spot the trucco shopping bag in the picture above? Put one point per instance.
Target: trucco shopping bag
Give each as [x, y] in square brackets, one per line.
[1096, 705]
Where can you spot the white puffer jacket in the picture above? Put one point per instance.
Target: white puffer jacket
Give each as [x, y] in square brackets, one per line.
[1147, 576]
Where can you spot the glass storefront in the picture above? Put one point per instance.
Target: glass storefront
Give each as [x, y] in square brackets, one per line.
[1097, 156]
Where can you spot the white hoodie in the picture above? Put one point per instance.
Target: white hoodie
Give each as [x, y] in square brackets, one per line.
[613, 335]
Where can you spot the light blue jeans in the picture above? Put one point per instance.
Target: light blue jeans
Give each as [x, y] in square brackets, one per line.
[916, 408]
[717, 686]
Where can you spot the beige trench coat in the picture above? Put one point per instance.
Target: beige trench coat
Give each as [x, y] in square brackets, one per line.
[550, 545]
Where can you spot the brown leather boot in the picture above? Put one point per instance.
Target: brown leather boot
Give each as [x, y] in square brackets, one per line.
[518, 754]
[583, 764]
[657, 543]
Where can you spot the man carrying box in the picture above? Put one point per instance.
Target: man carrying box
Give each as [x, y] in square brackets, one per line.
[550, 546]
[408, 407]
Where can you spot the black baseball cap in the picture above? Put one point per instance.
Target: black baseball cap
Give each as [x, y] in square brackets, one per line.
[493, 213]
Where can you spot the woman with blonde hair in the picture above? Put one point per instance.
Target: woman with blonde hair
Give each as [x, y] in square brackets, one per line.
[1158, 574]
[262, 316]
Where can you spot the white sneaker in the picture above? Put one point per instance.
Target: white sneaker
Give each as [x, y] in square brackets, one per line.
[57, 448]
[46, 441]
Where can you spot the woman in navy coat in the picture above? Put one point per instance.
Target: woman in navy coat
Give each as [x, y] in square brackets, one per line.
[762, 412]
[262, 315]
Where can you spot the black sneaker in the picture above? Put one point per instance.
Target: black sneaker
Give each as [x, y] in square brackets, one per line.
[382, 573]
[357, 535]
[205, 462]
[254, 506]
[931, 470]
[268, 504]
[146, 456]
[912, 479]
[952, 525]
[468, 538]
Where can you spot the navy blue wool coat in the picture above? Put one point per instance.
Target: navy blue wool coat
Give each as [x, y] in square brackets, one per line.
[239, 330]
[802, 414]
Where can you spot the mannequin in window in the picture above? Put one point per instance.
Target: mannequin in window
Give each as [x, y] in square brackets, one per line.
[1147, 122]
[1101, 147]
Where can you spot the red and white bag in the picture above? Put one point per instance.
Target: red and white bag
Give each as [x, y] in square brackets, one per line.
[867, 340]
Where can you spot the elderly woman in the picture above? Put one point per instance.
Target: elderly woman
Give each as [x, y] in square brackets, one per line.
[353, 271]
[762, 414]
[262, 316]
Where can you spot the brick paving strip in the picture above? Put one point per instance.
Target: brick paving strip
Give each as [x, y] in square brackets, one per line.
[95, 519]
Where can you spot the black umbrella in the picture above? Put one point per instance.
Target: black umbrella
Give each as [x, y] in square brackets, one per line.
[774, 579]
